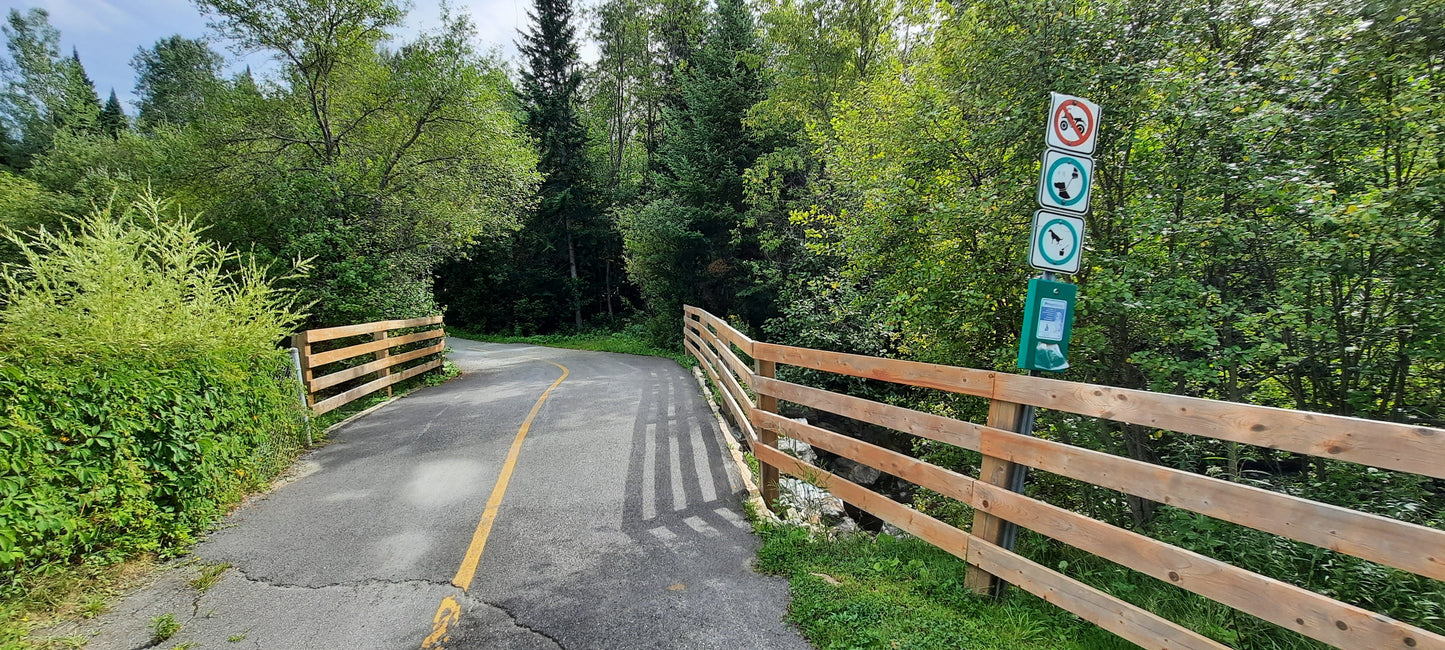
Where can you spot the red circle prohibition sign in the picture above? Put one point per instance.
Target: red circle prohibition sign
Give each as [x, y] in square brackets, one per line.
[1066, 124]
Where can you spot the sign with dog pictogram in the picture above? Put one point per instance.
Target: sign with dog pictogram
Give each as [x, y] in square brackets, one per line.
[1057, 242]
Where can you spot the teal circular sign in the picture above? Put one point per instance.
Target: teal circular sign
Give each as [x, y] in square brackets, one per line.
[1065, 241]
[1067, 186]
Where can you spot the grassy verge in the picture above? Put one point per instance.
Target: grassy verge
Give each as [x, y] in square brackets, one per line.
[861, 591]
[621, 342]
[320, 424]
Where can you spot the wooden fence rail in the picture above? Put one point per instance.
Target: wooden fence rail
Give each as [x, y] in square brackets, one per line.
[382, 365]
[750, 396]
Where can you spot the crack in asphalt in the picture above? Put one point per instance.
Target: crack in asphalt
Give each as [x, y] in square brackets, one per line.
[351, 583]
[513, 617]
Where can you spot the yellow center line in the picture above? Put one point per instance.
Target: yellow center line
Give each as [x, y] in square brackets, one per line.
[468, 570]
[449, 612]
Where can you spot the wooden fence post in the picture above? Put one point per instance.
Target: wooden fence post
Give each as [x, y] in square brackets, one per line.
[302, 344]
[768, 437]
[994, 471]
[382, 354]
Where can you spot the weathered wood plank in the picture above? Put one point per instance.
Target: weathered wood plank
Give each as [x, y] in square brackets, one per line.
[1132, 623]
[1379, 539]
[740, 418]
[912, 373]
[933, 427]
[382, 354]
[332, 356]
[768, 475]
[725, 352]
[1311, 614]
[1314, 615]
[1388, 445]
[728, 381]
[370, 387]
[329, 333]
[727, 332]
[994, 471]
[903, 466]
[927, 528]
[1126, 620]
[379, 365]
[303, 354]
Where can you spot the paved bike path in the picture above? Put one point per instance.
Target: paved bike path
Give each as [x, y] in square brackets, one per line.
[620, 526]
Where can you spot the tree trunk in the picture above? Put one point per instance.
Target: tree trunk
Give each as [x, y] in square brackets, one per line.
[572, 262]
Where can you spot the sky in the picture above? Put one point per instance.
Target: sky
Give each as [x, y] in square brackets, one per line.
[107, 33]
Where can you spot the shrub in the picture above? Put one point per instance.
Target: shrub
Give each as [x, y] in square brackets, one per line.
[141, 390]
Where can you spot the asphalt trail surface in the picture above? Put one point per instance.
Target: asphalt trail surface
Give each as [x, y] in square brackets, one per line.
[621, 525]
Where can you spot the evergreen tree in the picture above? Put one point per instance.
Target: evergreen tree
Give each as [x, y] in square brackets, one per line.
[44, 91]
[245, 84]
[549, 91]
[112, 117]
[692, 242]
[9, 151]
[78, 108]
[678, 28]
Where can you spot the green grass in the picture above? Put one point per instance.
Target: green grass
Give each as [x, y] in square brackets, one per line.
[210, 575]
[620, 342]
[163, 627]
[904, 593]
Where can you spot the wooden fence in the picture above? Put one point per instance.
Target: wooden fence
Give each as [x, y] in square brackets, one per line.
[380, 347]
[751, 395]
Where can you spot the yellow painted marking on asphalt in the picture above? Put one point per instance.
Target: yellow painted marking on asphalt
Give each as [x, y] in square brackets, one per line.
[449, 612]
[468, 569]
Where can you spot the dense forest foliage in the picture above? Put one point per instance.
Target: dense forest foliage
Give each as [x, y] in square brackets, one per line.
[858, 175]
[854, 175]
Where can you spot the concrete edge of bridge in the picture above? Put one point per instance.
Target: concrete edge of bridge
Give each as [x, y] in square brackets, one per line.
[735, 450]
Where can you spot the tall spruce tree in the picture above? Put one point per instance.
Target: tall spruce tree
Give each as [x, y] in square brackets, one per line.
[692, 242]
[549, 91]
[44, 91]
[112, 117]
[79, 106]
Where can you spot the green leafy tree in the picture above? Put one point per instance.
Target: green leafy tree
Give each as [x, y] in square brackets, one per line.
[620, 85]
[174, 79]
[44, 91]
[377, 163]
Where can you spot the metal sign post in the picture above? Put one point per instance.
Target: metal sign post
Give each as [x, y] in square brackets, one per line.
[1056, 245]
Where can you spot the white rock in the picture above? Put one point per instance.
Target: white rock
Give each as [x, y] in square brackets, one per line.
[808, 504]
[798, 449]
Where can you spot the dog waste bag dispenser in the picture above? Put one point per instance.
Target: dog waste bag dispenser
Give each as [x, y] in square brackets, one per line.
[1048, 325]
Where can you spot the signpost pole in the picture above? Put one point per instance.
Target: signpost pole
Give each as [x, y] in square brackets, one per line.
[1018, 477]
[1056, 244]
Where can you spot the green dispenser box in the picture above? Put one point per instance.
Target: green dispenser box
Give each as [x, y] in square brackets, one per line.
[1048, 325]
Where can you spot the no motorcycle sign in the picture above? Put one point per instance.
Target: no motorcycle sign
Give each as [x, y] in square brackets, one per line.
[1073, 124]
